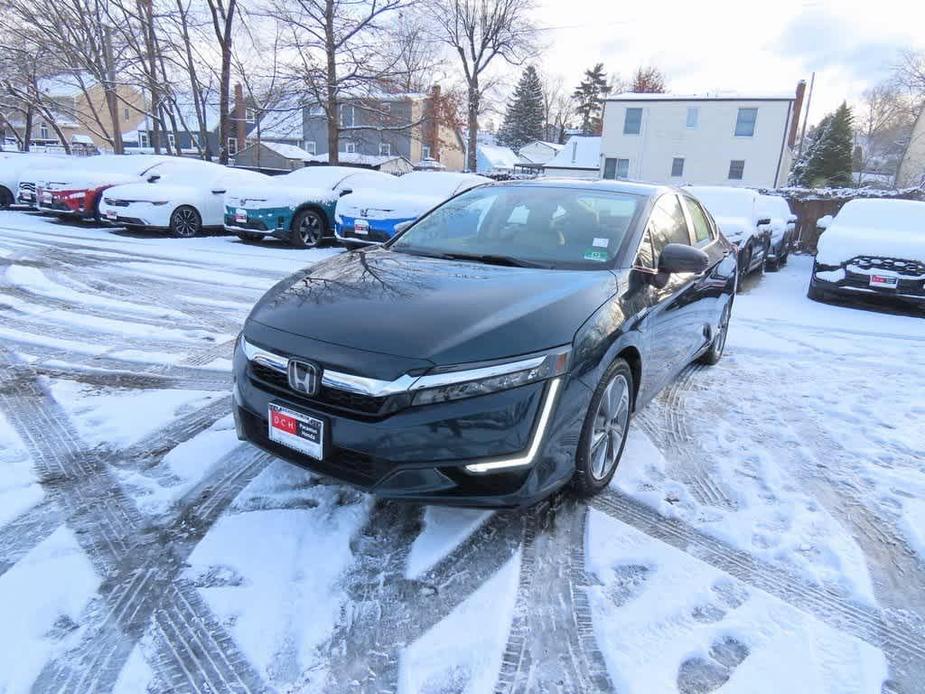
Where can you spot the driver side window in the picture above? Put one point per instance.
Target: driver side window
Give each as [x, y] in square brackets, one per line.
[666, 225]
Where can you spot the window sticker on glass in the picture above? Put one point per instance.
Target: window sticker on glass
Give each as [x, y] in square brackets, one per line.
[596, 255]
[601, 243]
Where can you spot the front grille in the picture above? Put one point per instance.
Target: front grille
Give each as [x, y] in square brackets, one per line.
[254, 224]
[327, 397]
[911, 268]
[116, 203]
[26, 185]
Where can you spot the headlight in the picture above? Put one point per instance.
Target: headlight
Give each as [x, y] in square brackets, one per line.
[458, 383]
[158, 202]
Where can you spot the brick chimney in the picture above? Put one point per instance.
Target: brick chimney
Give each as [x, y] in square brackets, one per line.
[797, 112]
[240, 113]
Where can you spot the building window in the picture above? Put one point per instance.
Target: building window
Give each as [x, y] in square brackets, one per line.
[385, 149]
[623, 168]
[249, 115]
[632, 121]
[736, 169]
[310, 147]
[677, 167]
[315, 110]
[43, 132]
[350, 147]
[125, 115]
[171, 141]
[346, 115]
[143, 140]
[425, 151]
[616, 168]
[194, 140]
[693, 113]
[232, 146]
[745, 122]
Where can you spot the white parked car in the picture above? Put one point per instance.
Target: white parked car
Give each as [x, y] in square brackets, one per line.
[376, 216]
[737, 212]
[782, 227]
[183, 196]
[13, 165]
[299, 206]
[75, 190]
[872, 247]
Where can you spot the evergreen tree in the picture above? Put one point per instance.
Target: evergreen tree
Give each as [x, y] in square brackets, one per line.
[830, 161]
[589, 96]
[525, 115]
[808, 146]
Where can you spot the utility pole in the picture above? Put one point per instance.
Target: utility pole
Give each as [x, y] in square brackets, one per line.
[109, 90]
[809, 100]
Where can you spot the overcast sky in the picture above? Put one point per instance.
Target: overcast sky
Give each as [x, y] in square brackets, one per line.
[736, 45]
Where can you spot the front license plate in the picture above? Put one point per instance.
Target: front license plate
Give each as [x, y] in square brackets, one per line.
[240, 216]
[28, 197]
[112, 215]
[883, 282]
[361, 226]
[296, 430]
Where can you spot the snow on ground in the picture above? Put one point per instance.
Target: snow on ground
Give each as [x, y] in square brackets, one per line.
[764, 531]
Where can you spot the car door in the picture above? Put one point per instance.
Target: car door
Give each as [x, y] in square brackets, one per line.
[709, 289]
[669, 326]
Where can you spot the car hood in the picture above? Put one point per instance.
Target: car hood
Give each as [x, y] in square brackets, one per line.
[842, 243]
[151, 192]
[70, 180]
[258, 197]
[386, 206]
[444, 311]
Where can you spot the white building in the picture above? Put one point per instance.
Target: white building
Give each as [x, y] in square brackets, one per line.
[911, 171]
[704, 140]
[539, 152]
[579, 158]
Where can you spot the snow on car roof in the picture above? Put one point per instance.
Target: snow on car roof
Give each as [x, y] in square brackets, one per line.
[439, 183]
[327, 176]
[895, 215]
[726, 200]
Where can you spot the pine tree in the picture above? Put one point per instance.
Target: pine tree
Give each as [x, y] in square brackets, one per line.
[808, 146]
[525, 115]
[589, 96]
[830, 161]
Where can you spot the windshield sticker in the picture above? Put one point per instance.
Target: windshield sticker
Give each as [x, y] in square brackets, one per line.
[596, 255]
[601, 243]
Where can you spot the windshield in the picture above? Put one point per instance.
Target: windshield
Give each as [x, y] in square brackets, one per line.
[906, 216]
[527, 225]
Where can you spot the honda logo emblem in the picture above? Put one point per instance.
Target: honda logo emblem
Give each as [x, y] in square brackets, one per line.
[304, 377]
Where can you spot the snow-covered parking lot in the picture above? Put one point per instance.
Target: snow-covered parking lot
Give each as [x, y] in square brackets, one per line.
[764, 533]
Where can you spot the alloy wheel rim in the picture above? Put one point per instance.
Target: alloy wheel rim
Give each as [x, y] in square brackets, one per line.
[310, 230]
[609, 427]
[185, 222]
[721, 337]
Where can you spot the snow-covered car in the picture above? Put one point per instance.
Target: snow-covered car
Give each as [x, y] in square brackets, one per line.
[376, 216]
[738, 215]
[13, 165]
[872, 248]
[782, 226]
[76, 190]
[183, 196]
[299, 206]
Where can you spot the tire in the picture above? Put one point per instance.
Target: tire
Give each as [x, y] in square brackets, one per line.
[185, 222]
[6, 198]
[773, 265]
[817, 294]
[744, 266]
[307, 229]
[712, 356]
[249, 238]
[608, 416]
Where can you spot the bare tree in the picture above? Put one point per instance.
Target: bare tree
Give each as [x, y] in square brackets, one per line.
[479, 31]
[648, 80]
[418, 61]
[910, 72]
[557, 107]
[223, 18]
[883, 124]
[338, 52]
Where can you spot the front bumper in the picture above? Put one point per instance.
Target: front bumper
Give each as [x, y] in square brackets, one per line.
[136, 214]
[379, 231]
[422, 453]
[848, 284]
[271, 221]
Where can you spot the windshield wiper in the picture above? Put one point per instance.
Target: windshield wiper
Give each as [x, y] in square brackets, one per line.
[490, 259]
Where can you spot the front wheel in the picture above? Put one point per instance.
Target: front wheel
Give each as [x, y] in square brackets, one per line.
[745, 261]
[185, 222]
[307, 229]
[603, 434]
[715, 352]
[6, 198]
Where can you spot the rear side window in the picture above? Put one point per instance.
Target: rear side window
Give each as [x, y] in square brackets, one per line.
[667, 224]
[702, 231]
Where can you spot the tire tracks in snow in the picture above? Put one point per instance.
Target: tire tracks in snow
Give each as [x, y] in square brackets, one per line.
[883, 629]
[139, 564]
[27, 530]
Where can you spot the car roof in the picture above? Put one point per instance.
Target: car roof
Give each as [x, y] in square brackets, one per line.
[609, 185]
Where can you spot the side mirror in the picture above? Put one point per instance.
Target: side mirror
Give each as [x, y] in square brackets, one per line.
[401, 226]
[221, 191]
[824, 222]
[345, 191]
[679, 257]
[764, 221]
